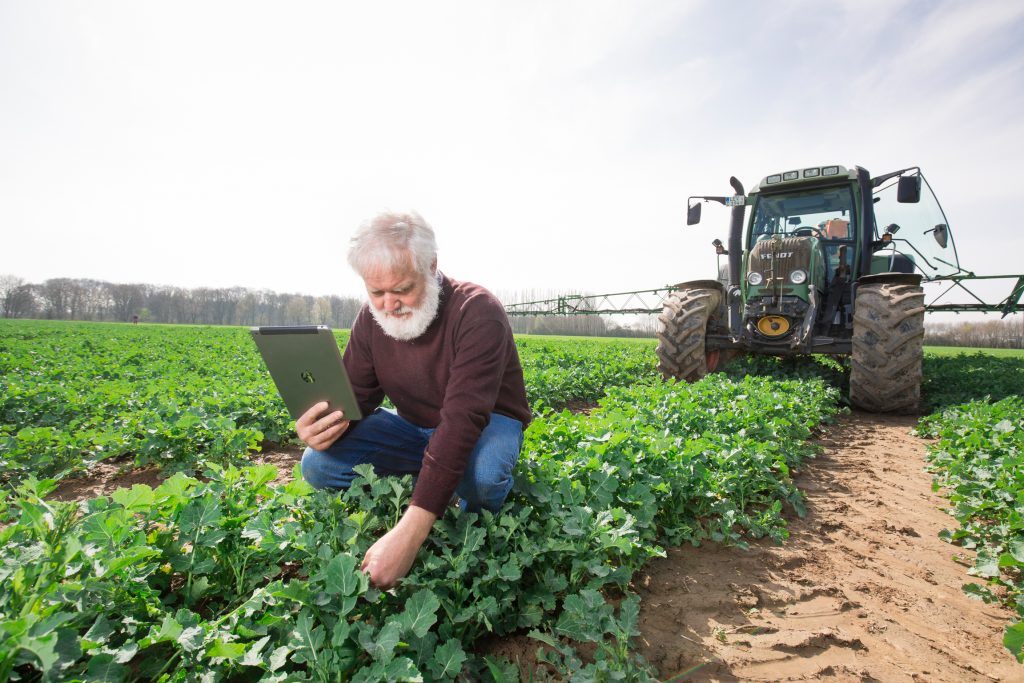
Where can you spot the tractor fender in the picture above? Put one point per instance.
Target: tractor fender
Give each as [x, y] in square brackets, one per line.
[721, 313]
[701, 284]
[891, 278]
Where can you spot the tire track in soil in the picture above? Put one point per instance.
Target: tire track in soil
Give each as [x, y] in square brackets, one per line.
[863, 590]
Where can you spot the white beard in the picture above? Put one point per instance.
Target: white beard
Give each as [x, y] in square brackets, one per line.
[411, 326]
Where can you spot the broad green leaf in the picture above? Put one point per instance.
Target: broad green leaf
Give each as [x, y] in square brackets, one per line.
[103, 669]
[420, 613]
[259, 475]
[341, 576]
[54, 650]
[1017, 549]
[130, 557]
[1013, 639]
[307, 638]
[169, 629]
[448, 660]
[986, 565]
[138, 498]
[380, 644]
[340, 633]
[199, 514]
[100, 631]
[220, 648]
[191, 638]
[279, 658]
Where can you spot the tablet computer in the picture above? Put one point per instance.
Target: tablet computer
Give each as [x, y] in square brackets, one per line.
[305, 363]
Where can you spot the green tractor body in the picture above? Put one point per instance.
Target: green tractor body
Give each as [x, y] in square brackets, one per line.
[815, 266]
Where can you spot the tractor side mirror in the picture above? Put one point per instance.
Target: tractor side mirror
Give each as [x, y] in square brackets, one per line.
[941, 234]
[909, 189]
[693, 214]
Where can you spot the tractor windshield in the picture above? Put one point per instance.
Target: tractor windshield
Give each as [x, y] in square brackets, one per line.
[821, 212]
[922, 231]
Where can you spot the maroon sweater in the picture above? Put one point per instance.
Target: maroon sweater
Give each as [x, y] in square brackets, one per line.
[450, 378]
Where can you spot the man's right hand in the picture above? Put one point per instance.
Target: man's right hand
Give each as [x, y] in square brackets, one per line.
[319, 429]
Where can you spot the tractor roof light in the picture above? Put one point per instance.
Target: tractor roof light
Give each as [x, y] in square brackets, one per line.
[772, 179]
[830, 170]
[812, 172]
[791, 175]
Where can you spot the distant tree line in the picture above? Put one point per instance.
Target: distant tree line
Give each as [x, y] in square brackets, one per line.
[1006, 333]
[97, 300]
[84, 299]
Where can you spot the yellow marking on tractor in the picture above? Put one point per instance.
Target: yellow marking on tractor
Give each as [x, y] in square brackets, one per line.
[773, 325]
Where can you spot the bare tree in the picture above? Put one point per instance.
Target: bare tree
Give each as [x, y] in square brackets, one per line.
[125, 300]
[8, 285]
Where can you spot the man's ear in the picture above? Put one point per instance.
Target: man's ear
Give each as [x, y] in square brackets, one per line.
[433, 266]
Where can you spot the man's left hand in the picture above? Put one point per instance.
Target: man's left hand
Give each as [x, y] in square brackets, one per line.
[391, 557]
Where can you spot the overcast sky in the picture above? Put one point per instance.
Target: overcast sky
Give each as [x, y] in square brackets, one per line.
[552, 145]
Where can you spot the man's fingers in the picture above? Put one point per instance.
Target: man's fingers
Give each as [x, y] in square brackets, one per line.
[328, 421]
[319, 430]
[311, 415]
[323, 439]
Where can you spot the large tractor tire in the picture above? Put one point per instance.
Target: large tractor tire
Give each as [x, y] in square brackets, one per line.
[682, 333]
[888, 347]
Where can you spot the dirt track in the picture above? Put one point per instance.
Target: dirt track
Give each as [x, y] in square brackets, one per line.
[863, 590]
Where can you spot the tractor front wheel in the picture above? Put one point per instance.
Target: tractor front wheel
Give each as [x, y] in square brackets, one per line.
[888, 347]
[682, 334]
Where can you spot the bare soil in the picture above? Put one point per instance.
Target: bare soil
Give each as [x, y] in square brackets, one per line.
[863, 590]
[108, 475]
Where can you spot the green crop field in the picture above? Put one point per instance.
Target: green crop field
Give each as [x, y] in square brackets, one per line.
[219, 574]
[962, 350]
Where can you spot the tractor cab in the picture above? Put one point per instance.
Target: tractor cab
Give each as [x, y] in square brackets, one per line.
[809, 237]
[801, 247]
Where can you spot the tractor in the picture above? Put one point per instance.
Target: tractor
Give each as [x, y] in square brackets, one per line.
[815, 266]
[820, 260]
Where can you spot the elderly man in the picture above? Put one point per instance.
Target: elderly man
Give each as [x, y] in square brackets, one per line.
[443, 352]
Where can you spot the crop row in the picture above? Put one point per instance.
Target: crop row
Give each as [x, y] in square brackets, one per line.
[72, 394]
[978, 461]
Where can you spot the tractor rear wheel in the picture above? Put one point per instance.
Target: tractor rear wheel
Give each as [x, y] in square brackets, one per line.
[682, 334]
[888, 347]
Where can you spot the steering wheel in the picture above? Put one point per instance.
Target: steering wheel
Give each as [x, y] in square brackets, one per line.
[808, 231]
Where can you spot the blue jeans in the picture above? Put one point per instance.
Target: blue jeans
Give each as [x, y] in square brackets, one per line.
[395, 446]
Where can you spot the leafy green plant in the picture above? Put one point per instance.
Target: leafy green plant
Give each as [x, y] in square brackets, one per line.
[232, 577]
[978, 461]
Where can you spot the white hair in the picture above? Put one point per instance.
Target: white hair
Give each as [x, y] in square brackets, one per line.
[393, 241]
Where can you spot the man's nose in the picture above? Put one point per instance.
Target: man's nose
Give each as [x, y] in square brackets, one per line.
[392, 302]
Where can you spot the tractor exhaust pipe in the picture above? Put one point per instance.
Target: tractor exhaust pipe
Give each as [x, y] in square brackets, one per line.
[736, 236]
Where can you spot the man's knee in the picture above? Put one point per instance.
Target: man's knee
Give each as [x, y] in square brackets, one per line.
[486, 491]
[315, 468]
